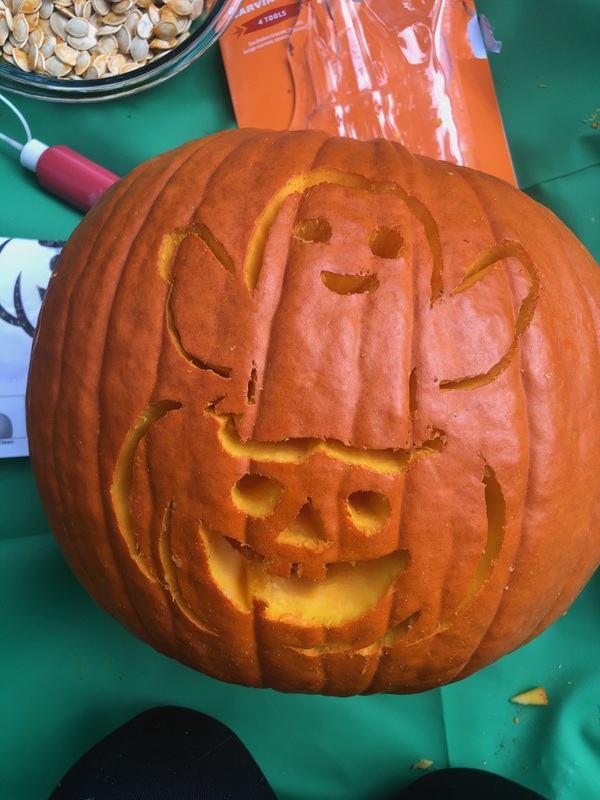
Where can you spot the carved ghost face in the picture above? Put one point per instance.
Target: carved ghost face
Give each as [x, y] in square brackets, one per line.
[327, 504]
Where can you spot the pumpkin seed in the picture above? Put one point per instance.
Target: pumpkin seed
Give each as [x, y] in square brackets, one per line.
[123, 6]
[115, 63]
[82, 42]
[4, 31]
[20, 29]
[77, 27]
[109, 43]
[130, 66]
[123, 38]
[33, 55]
[46, 9]
[48, 45]
[166, 15]
[163, 44]
[41, 63]
[144, 27]
[139, 49]
[21, 59]
[114, 19]
[132, 20]
[100, 64]
[57, 68]
[108, 30]
[165, 30]
[36, 37]
[183, 8]
[33, 21]
[29, 6]
[82, 62]
[67, 54]
[9, 18]
[58, 24]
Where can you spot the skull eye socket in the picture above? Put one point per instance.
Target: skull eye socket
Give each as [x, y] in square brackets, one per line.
[386, 242]
[256, 495]
[368, 511]
[315, 230]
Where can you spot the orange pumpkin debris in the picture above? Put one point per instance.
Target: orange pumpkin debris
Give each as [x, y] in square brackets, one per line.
[532, 697]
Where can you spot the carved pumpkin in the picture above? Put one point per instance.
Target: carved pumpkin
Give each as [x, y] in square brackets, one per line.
[319, 415]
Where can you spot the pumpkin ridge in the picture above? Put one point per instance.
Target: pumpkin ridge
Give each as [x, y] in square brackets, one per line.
[170, 578]
[115, 193]
[479, 269]
[167, 252]
[528, 390]
[138, 176]
[118, 194]
[377, 648]
[261, 362]
[493, 546]
[481, 190]
[120, 490]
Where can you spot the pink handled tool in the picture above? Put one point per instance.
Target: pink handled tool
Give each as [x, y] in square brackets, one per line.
[67, 174]
[60, 170]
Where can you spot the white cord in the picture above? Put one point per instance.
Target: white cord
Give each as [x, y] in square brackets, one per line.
[23, 121]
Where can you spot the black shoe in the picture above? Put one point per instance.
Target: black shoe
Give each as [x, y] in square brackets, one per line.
[463, 783]
[166, 753]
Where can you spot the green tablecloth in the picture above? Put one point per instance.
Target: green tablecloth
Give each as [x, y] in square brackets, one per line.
[69, 674]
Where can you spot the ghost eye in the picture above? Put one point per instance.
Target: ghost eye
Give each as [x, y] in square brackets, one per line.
[315, 230]
[386, 242]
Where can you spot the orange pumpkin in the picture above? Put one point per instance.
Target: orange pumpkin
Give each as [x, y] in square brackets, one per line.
[319, 415]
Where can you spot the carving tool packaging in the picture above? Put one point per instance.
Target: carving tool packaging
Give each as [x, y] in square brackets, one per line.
[415, 72]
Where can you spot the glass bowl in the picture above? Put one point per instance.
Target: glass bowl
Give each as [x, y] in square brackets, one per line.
[204, 31]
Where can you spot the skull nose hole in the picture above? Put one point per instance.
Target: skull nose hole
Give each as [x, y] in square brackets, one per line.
[306, 530]
[256, 495]
[368, 511]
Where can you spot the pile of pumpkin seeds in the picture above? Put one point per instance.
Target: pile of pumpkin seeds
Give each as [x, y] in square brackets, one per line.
[88, 39]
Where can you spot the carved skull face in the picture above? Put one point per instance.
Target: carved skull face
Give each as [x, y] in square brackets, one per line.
[325, 410]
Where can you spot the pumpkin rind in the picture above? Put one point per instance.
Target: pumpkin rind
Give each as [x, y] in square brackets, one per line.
[319, 415]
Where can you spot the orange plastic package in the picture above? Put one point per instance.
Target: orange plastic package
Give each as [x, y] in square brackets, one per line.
[413, 71]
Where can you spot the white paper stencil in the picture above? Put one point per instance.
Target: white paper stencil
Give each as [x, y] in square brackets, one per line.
[25, 268]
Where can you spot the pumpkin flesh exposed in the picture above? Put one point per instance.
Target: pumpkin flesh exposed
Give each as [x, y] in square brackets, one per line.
[330, 427]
